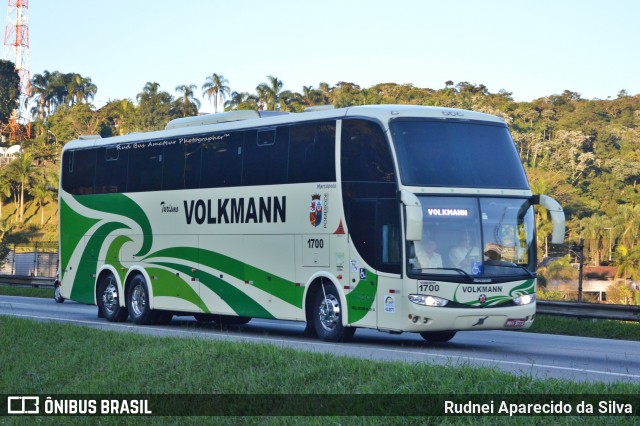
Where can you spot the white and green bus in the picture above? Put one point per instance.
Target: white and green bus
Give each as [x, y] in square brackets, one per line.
[390, 217]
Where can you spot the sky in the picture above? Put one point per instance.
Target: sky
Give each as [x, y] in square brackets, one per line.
[532, 48]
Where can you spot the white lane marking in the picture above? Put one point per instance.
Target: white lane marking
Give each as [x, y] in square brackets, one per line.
[517, 363]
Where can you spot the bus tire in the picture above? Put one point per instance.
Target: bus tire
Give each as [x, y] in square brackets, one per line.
[438, 336]
[138, 301]
[109, 300]
[327, 316]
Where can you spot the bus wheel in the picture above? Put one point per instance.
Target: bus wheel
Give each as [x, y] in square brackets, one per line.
[138, 301]
[327, 316]
[57, 294]
[438, 336]
[109, 302]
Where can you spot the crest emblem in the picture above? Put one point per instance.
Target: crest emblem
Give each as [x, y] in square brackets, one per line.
[482, 299]
[315, 210]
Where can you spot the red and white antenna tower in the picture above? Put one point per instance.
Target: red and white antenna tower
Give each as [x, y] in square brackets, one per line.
[16, 50]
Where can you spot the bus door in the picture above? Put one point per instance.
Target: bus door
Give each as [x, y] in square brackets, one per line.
[376, 262]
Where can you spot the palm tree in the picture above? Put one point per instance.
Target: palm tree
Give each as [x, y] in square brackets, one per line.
[215, 87]
[272, 91]
[262, 94]
[628, 221]
[628, 262]
[5, 190]
[41, 193]
[189, 104]
[593, 230]
[40, 93]
[326, 93]
[240, 100]
[148, 91]
[21, 169]
[80, 89]
[58, 90]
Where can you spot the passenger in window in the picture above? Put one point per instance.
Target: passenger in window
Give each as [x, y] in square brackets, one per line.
[426, 255]
[464, 254]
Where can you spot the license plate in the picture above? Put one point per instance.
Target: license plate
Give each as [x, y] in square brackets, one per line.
[515, 322]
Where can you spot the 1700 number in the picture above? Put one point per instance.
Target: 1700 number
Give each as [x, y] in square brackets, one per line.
[315, 243]
[428, 287]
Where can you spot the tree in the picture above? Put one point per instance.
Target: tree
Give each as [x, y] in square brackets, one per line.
[9, 90]
[80, 89]
[187, 105]
[117, 117]
[240, 100]
[41, 193]
[21, 169]
[620, 293]
[40, 93]
[154, 108]
[560, 269]
[5, 189]
[270, 92]
[214, 88]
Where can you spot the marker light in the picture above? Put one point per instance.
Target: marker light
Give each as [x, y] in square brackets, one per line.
[420, 299]
[524, 299]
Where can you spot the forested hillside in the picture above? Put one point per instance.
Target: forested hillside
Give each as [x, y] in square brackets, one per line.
[583, 152]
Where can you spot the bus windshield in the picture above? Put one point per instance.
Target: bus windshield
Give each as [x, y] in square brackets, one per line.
[479, 237]
[455, 153]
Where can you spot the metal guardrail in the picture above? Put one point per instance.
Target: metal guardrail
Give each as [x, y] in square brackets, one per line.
[564, 309]
[26, 281]
[589, 310]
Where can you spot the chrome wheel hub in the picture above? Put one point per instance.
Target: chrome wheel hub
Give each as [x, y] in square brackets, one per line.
[138, 300]
[329, 312]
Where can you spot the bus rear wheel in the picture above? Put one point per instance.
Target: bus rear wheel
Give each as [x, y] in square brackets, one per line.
[138, 302]
[438, 336]
[109, 300]
[327, 316]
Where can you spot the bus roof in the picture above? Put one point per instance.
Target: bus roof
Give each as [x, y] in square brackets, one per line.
[240, 119]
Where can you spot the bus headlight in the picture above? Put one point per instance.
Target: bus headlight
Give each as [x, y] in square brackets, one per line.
[421, 299]
[525, 299]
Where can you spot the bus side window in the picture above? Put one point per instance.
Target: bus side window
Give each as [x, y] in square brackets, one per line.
[81, 172]
[375, 232]
[365, 153]
[173, 167]
[111, 170]
[221, 164]
[265, 156]
[145, 169]
[312, 153]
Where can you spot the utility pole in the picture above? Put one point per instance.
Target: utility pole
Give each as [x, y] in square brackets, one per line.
[579, 249]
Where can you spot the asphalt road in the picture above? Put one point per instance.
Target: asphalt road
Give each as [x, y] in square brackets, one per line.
[533, 355]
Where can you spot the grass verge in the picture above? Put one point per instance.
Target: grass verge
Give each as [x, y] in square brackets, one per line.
[7, 290]
[47, 358]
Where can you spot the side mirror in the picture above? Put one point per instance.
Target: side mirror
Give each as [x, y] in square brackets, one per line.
[413, 209]
[557, 216]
